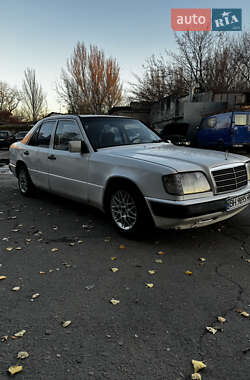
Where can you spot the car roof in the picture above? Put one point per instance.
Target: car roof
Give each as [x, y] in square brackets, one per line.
[109, 116]
[63, 116]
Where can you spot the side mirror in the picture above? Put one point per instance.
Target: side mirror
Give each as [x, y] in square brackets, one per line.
[78, 147]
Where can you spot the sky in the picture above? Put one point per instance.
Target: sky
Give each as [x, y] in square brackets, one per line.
[42, 34]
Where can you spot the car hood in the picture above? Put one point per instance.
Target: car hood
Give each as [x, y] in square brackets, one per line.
[178, 158]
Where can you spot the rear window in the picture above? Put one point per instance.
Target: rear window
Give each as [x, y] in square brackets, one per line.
[42, 135]
[240, 119]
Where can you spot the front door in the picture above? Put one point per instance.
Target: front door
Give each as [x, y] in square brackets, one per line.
[206, 135]
[68, 171]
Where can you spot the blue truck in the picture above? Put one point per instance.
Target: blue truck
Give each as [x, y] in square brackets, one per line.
[224, 131]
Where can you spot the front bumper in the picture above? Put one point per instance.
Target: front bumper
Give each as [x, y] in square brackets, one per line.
[193, 213]
[180, 211]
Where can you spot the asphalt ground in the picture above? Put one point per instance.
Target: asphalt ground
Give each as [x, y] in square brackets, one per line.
[64, 251]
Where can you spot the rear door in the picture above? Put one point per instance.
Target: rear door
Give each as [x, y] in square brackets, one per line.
[68, 171]
[241, 128]
[36, 154]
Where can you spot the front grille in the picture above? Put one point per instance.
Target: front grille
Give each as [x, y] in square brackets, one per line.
[230, 179]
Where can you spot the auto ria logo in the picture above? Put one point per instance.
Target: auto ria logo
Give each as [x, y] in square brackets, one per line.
[206, 19]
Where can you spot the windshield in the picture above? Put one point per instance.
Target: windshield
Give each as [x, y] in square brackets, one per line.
[106, 132]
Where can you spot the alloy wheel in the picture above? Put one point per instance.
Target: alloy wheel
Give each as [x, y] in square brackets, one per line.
[123, 210]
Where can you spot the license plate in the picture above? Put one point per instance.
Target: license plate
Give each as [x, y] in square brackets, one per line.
[236, 202]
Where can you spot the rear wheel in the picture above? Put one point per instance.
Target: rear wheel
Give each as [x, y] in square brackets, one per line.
[128, 210]
[25, 184]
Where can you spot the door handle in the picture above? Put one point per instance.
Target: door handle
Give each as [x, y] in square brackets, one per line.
[52, 157]
[26, 153]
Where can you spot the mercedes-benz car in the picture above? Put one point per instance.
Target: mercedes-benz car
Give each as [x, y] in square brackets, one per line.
[122, 167]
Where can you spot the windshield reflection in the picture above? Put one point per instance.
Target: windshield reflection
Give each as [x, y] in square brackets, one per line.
[106, 132]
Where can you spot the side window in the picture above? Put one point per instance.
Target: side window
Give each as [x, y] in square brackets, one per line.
[211, 122]
[66, 131]
[240, 119]
[223, 122]
[41, 137]
[208, 123]
[33, 139]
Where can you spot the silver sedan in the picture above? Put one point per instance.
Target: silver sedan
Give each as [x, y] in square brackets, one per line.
[123, 168]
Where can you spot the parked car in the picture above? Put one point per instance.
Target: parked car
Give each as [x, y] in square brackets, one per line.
[122, 167]
[6, 139]
[176, 133]
[224, 131]
[20, 135]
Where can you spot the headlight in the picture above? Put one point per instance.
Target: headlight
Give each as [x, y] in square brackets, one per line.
[248, 171]
[186, 183]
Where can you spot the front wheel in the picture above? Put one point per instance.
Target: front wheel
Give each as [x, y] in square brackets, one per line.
[128, 210]
[25, 184]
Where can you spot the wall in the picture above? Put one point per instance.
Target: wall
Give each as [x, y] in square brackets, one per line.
[139, 111]
[165, 111]
[194, 112]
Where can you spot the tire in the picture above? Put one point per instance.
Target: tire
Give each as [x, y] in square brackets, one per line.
[128, 210]
[25, 184]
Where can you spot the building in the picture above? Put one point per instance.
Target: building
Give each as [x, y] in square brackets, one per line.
[192, 108]
[136, 110]
[184, 110]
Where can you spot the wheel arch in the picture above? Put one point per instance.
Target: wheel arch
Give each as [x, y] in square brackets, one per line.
[19, 164]
[114, 181]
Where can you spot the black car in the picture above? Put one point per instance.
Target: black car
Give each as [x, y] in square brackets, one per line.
[20, 135]
[6, 139]
[176, 133]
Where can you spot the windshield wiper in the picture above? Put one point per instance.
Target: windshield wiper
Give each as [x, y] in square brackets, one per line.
[157, 141]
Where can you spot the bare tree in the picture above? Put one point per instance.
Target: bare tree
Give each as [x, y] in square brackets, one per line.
[9, 97]
[194, 52]
[91, 83]
[154, 83]
[242, 49]
[33, 97]
[208, 61]
[69, 93]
